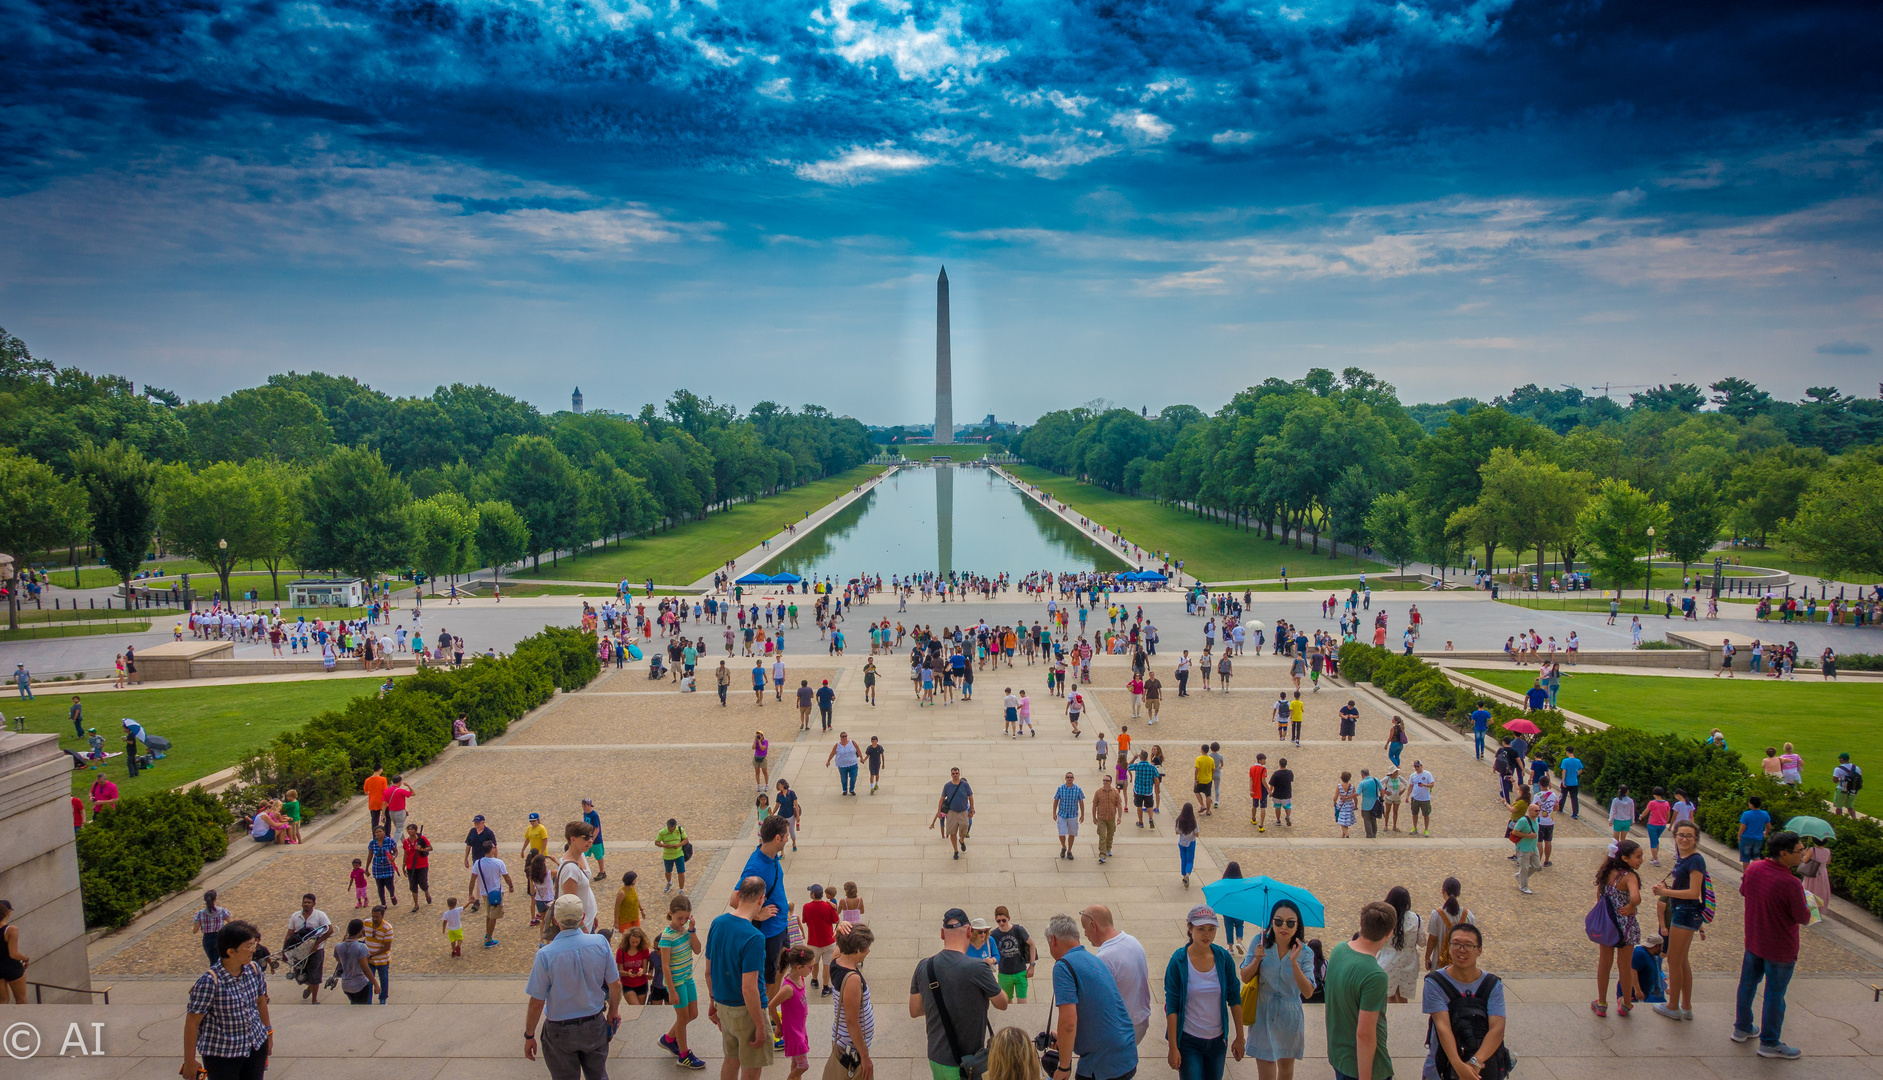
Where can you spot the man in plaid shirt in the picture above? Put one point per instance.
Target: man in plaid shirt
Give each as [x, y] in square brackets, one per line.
[226, 1021]
[1068, 811]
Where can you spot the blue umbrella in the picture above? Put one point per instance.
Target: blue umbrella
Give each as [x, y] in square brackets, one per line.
[1253, 900]
[753, 579]
[786, 579]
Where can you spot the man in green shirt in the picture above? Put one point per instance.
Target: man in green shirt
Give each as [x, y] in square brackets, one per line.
[672, 844]
[1356, 999]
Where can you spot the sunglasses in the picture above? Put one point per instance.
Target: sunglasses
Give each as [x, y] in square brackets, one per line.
[1289, 923]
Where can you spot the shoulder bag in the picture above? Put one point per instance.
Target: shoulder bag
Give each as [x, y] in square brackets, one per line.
[972, 1065]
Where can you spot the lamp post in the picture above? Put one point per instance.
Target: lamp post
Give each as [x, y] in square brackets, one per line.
[1647, 589]
[222, 549]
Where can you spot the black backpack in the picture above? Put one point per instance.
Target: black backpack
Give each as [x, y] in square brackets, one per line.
[1854, 782]
[1470, 1022]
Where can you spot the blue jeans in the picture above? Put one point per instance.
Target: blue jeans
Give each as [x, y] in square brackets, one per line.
[1186, 855]
[1777, 978]
[1750, 848]
[1392, 751]
[1478, 735]
[847, 774]
[1232, 929]
[1201, 1059]
[383, 973]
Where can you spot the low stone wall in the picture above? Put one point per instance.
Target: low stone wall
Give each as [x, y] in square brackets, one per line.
[282, 665]
[1693, 659]
[39, 862]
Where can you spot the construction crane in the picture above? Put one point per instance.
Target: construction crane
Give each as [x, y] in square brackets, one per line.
[1606, 387]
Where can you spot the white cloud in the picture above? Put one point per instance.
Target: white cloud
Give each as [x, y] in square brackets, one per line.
[1142, 127]
[862, 164]
[324, 208]
[1233, 138]
[916, 53]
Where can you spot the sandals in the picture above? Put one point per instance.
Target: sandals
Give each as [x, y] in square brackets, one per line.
[1599, 1008]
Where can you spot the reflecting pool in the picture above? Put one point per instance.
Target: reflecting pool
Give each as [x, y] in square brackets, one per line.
[944, 519]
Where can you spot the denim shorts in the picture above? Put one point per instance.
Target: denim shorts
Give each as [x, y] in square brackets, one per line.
[1685, 914]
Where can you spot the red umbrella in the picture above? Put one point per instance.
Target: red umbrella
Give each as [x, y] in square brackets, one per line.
[1522, 726]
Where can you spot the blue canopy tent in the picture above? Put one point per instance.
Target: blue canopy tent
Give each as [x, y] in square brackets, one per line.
[753, 579]
[1150, 575]
[786, 579]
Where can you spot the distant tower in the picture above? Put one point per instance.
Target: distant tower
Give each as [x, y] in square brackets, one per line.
[944, 363]
[575, 401]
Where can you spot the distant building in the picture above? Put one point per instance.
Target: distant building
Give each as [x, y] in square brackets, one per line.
[575, 401]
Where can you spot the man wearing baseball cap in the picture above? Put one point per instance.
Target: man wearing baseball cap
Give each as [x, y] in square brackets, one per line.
[535, 837]
[475, 840]
[953, 990]
[574, 986]
[595, 850]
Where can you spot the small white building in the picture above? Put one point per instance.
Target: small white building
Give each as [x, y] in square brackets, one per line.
[327, 592]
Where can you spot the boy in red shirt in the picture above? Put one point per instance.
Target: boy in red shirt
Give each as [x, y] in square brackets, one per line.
[1258, 793]
[819, 919]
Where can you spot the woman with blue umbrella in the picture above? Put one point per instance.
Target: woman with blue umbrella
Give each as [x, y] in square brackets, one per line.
[1277, 1034]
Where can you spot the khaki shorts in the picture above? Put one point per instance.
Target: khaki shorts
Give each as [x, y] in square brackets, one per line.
[823, 953]
[735, 1034]
[955, 824]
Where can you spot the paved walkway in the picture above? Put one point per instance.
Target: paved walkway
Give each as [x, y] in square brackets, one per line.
[773, 546]
[1105, 538]
[615, 742]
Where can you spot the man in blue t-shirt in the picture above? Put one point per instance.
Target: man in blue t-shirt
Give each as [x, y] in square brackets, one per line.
[767, 864]
[1480, 723]
[1092, 1021]
[1537, 697]
[735, 955]
[1752, 827]
[1572, 783]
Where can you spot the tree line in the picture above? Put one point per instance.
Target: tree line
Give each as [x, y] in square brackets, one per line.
[1553, 473]
[322, 471]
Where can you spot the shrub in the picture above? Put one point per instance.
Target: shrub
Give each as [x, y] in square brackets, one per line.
[1649, 644]
[145, 848]
[1429, 692]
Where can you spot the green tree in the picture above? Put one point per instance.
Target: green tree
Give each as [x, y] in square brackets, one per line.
[356, 515]
[443, 531]
[1765, 489]
[43, 511]
[1695, 516]
[1392, 526]
[538, 480]
[1446, 476]
[279, 523]
[261, 421]
[1740, 399]
[503, 536]
[1839, 523]
[1615, 526]
[1534, 501]
[122, 488]
[1669, 397]
[213, 515]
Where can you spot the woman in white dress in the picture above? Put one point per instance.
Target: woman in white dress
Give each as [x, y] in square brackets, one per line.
[1403, 954]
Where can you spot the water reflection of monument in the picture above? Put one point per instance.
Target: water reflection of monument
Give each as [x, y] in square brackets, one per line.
[945, 518]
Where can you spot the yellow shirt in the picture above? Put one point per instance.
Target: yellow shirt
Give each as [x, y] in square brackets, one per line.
[1205, 769]
[537, 837]
[1295, 709]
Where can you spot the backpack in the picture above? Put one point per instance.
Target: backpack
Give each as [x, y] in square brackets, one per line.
[1853, 781]
[1470, 1018]
[1708, 906]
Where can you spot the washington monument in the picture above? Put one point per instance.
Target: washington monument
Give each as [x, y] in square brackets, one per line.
[944, 362]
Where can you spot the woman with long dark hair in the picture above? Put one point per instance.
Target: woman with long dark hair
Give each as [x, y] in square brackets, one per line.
[1400, 957]
[1447, 915]
[1187, 830]
[1284, 972]
[12, 961]
[1618, 883]
[1233, 928]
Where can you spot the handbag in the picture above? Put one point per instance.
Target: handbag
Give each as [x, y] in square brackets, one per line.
[1600, 925]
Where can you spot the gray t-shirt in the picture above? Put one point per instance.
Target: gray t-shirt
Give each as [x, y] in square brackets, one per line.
[967, 985]
[350, 958]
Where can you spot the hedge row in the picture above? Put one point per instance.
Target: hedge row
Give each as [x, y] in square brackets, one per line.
[147, 847]
[156, 844]
[1717, 778]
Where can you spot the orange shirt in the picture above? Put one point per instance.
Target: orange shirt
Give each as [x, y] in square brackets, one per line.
[375, 792]
[1124, 744]
[1258, 777]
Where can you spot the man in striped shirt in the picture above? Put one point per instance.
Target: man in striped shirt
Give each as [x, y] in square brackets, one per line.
[378, 939]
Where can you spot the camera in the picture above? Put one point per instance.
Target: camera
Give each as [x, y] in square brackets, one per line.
[1049, 1053]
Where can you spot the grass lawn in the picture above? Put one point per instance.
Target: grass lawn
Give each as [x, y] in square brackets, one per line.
[209, 726]
[1783, 558]
[1820, 719]
[1342, 586]
[1210, 550]
[87, 628]
[98, 577]
[685, 554]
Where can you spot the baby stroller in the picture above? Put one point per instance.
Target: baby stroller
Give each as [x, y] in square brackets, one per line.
[657, 667]
[301, 947]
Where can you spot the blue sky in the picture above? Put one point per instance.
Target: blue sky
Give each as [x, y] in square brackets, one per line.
[1145, 202]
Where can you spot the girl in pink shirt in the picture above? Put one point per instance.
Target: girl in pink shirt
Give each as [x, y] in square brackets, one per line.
[1660, 812]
